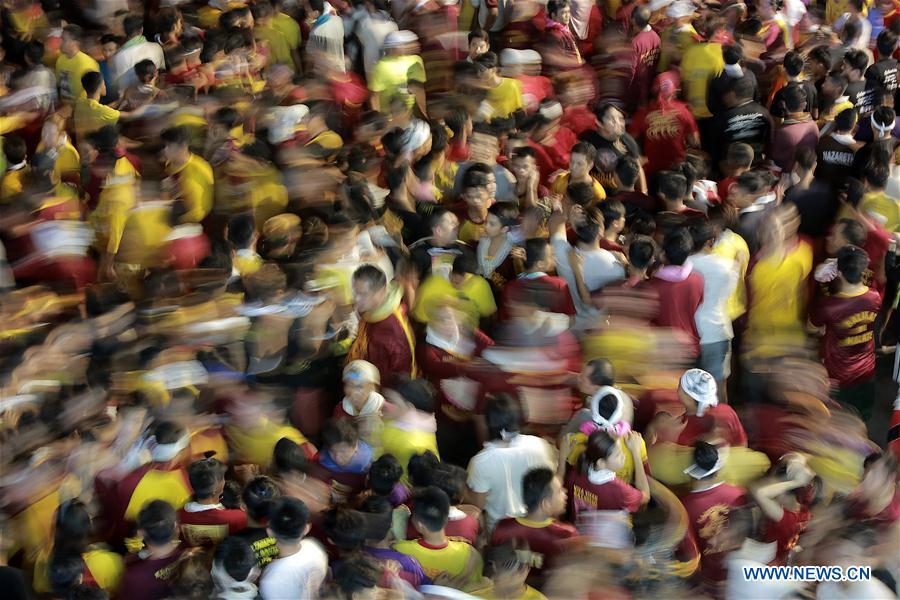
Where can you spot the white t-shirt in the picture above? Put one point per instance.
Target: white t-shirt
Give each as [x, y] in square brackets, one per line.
[599, 269]
[498, 469]
[720, 277]
[121, 65]
[856, 590]
[297, 576]
[371, 30]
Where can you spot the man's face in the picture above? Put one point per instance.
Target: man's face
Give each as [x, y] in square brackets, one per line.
[477, 47]
[109, 48]
[357, 391]
[477, 198]
[68, 45]
[342, 453]
[521, 166]
[613, 123]
[446, 230]
[564, 15]
[556, 502]
[585, 385]
[492, 226]
[171, 152]
[365, 298]
[579, 166]
[690, 405]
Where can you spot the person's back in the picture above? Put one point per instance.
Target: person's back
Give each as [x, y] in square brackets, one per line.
[699, 65]
[680, 290]
[148, 573]
[302, 563]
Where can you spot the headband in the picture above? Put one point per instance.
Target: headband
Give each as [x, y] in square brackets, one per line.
[696, 472]
[882, 129]
[414, 136]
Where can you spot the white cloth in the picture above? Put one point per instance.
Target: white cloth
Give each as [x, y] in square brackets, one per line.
[497, 470]
[295, 577]
[328, 37]
[372, 406]
[855, 590]
[371, 30]
[121, 65]
[720, 277]
[599, 269]
[755, 554]
[581, 14]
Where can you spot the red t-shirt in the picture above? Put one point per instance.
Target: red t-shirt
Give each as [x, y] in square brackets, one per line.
[148, 579]
[786, 532]
[877, 241]
[544, 539]
[663, 132]
[554, 156]
[615, 494]
[562, 299]
[644, 58]
[848, 348]
[534, 89]
[708, 512]
[678, 301]
[721, 419]
[611, 246]
[208, 527]
[579, 119]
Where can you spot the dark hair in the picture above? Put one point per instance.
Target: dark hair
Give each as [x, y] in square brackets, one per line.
[607, 405]
[732, 54]
[822, 55]
[488, 61]
[554, 6]
[91, 82]
[612, 210]
[379, 516]
[289, 457]
[74, 31]
[641, 251]
[793, 63]
[258, 496]
[853, 231]
[73, 530]
[536, 487]
[430, 508]
[794, 97]
[752, 182]
[628, 171]
[739, 154]
[384, 474]
[339, 431]
[580, 193]
[857, 59]
[158, 521]
[475, 177]
[241, 229]
[465, 264]
[346, 528]
[506, 212]
[876, 174]
[228, 117]
[602, 372]
[536, 250]
[288, 518]
[204, 476]
[743, 88]
[886, 43]
[599, 445]
[356, 573]
[805, 157]
[372, 275]
[605, 108]
[177, 136]
[14, 149]
[702, 233]
[671, 185]
[640, 17]
[417, 392]
[855, 190]
[524, 152]
[677, 246]
[64, 571]
[83, 591]
[436, 215]
[852, 262]
[145, 70]
[705, 455]
[34, 52]
[502, 415]
[478, 34]
[421, 468]
[452, 480]
[503, 558]
[236, 557]
[167, 432]
[587, 150]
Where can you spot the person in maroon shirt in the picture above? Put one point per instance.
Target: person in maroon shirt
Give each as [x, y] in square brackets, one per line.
[784, 503]
[148, 573]
[848, 317]
[463, 522]
[344, 460]
[627, 175]
[672, 189]
[538, 261]
[593, 485]
[679, 289]
[645, 45]
[798, 130]
[204, 521]
[613, 212]
[545, 500]
[665, 127]
[708, 506]
[704, 417]
[559, 47]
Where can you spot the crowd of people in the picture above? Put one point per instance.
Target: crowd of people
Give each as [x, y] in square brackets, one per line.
[508, 299]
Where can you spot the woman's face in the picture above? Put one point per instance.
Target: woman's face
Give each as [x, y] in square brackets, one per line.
[357, 392]
[616, 458]
[492, 226]
[579, 166]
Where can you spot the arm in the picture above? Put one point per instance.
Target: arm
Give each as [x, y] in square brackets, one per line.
[418, 91]
[634, 442]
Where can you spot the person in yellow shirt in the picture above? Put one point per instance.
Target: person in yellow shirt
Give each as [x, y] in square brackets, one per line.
[508, 571]
[876, 204]
[700, 64]
[678, 36]
[323, 142]
[410, 427]
[472, 293]
[438, 554]
[242, 236]
[280, 32]
[400, 72]
[581, 162]
[504, 94]
[55, 142]
[72, 64]
[188, 176]
[89, 115]
[290, 30]
[16, 176]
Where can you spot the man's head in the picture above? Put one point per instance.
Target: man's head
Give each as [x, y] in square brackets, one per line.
[543, 492]
[793, 64]
[207, 478]
[611, 121]
[581, 160]
[886, 43]
[502, 417]
[444, 227]
[157, 523]
[413, 395]
[146, 72]
[677, 246]
[747, 189]
[360, 378]
[739, 156]
[559, 11]
[385, 474]
[133, 25]
[70, 42]
[176, 148]
[595, 374]
[613, 212]
[628, 171]
[15, 150]
[805, 161]
[236, 558]
[671, 186]
[241, 231]
[523, 162]
[740, 91]
[288, 520]
[640, 18]
[430, 510]
[369, 288]
[697, 391]
[732, 54]
[883, 121]
[641, 251]
[345, 528]
[819, 62]
[502, 216]
[852, 262]
[475, 190]
[340, 437]
[855, 63]
[259, 496]
[93, 85]
[538, 257]
[795, 99]
[876, 176]
[478, 43]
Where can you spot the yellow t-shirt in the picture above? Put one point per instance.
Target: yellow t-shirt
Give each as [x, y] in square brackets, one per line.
[404, 443]
[626, 473]
[105, 566]
[13, 183]
[89, 115]
[69, 72]
[391, 76]
[247, 261]
[882, 208]
[144, 235]
[470, 231]
[561, 183]
[835, 8]
[288, 28]
[474, 295]
[278, 44]
[329, 142]
[529, 594]
[506, 98]
[68, 161]
[171, 486]
[700, 65]
[733, 247]
[777, 291]
[255, 445]
[453, 559]
[194, 186]
[108, 219]
[675, 43]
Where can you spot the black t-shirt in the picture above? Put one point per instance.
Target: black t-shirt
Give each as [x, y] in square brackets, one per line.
[882, 76]
[812, 98]
[817, 207]
[719, 86]
[608, 154]
[859, 95]
[835, 159]
[865, 153]
[13, 584]
[749, 123]
[263, 545]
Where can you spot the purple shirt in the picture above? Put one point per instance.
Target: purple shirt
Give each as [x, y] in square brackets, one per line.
[409, 570]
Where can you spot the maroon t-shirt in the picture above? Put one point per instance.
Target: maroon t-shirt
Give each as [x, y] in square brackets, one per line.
[562, 299]
[708, 512]
[148, 579]
[721, 419]
[848, 349]
[644, 57]
[663, 132]
[678, 301]
[791, 136]
[637, 200]
[585, 496]
[786, 532]
[545, 540]
[208, 527]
